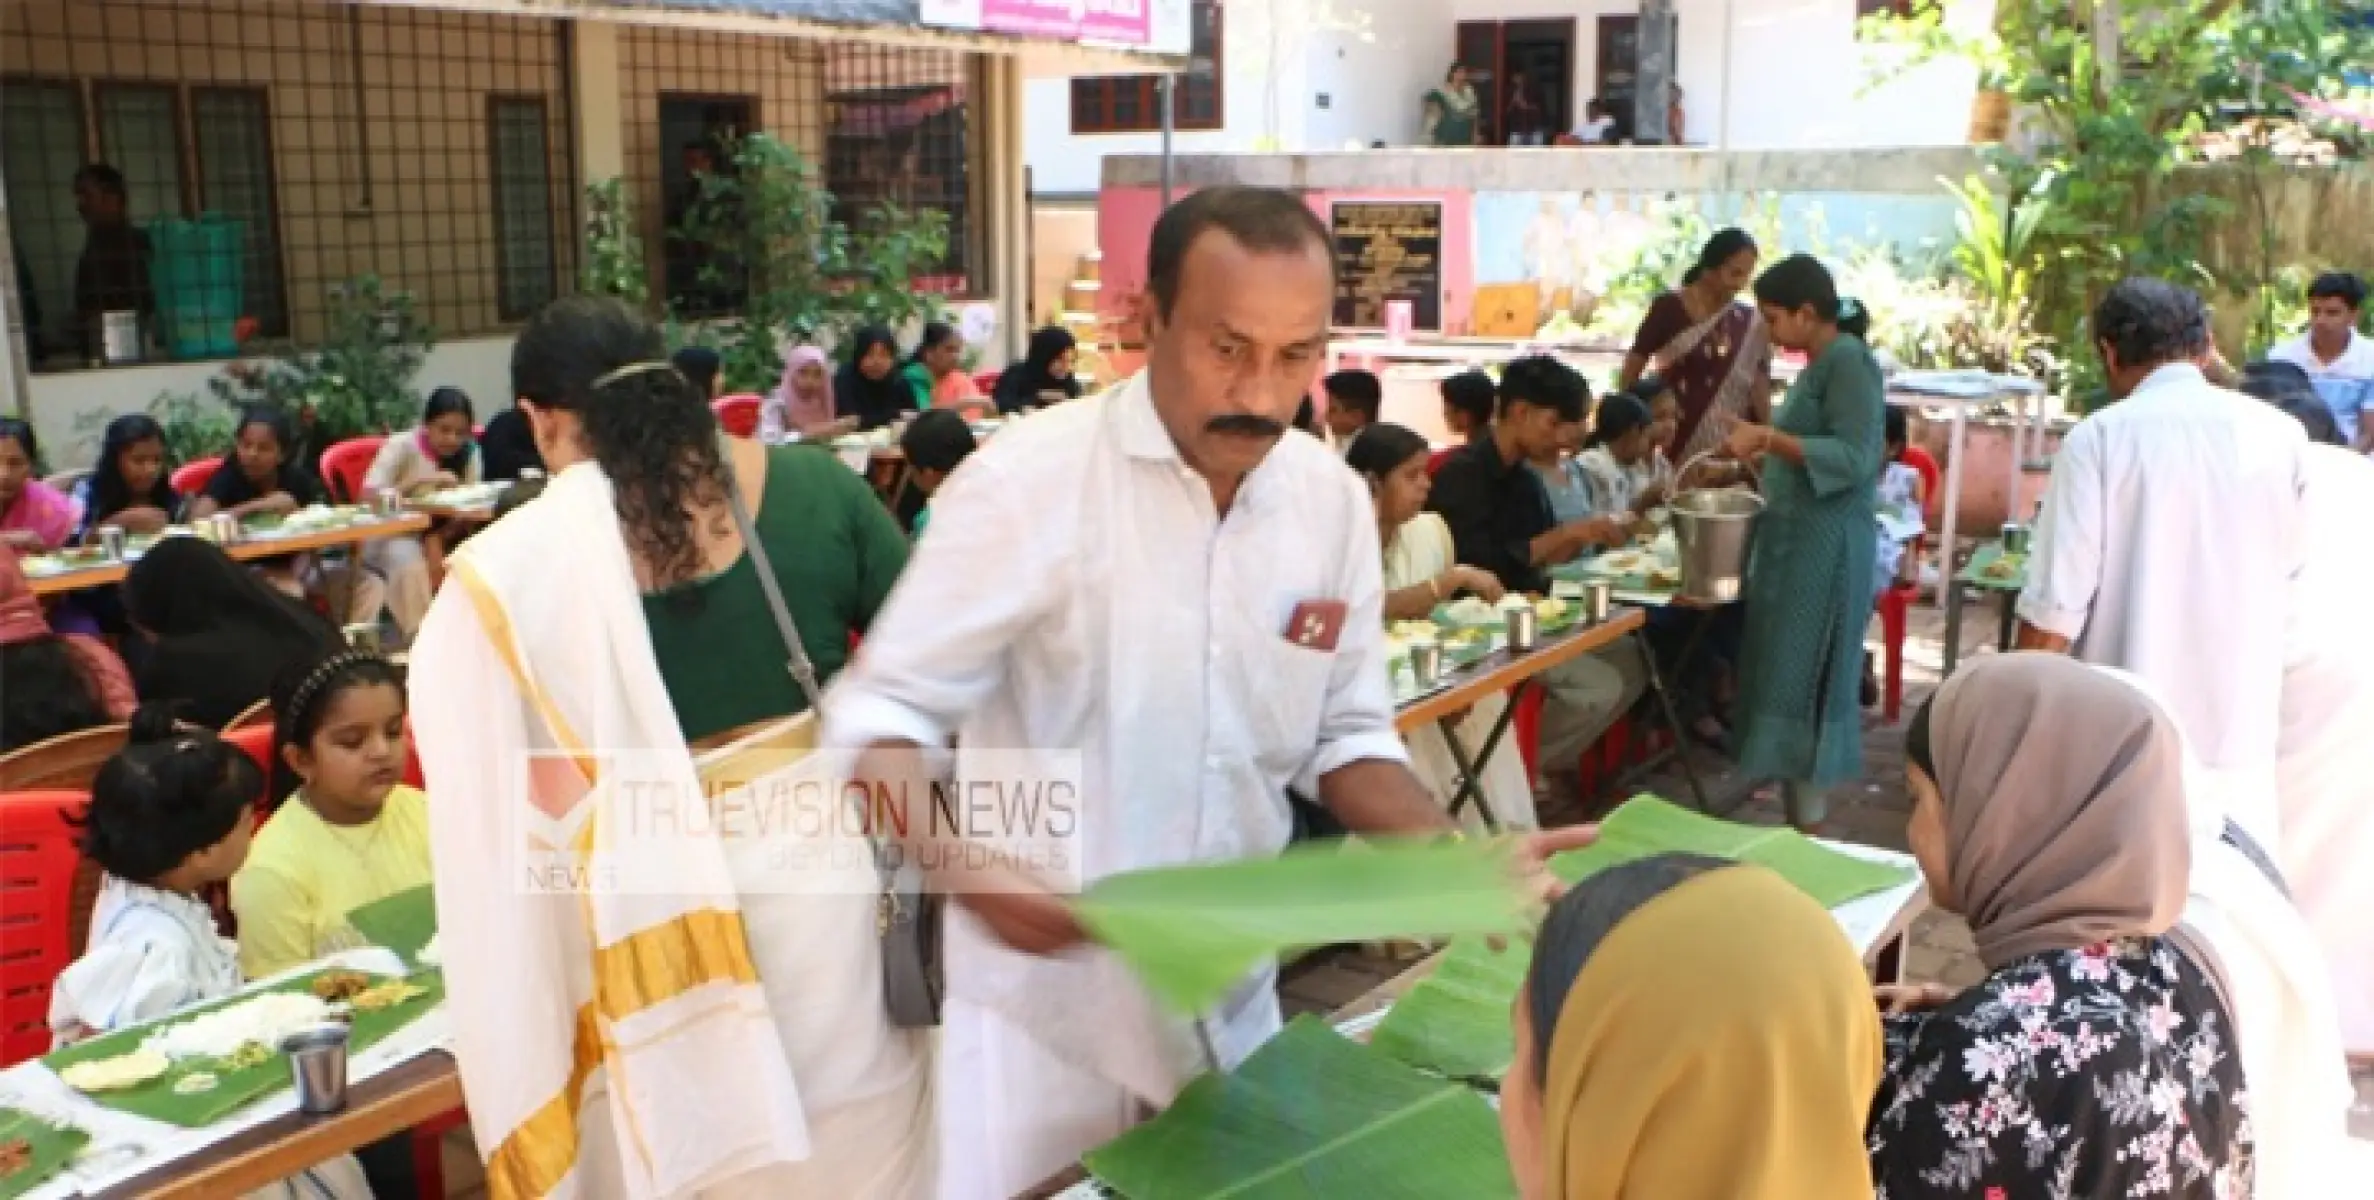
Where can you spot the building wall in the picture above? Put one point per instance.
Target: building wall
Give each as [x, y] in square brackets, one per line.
[421, 217]
[424, 78]
[1794, 77]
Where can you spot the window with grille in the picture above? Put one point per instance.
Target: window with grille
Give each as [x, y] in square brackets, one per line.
[1133, 103]
[234, 143]
[344, 139]
[522, 173]
[879, 125]
[42, 145]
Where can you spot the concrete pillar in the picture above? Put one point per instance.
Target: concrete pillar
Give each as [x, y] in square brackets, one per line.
[596, 89]
[1652, 81]
[1005, 188]
[13, 375]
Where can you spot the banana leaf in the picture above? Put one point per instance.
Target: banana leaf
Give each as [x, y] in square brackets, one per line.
[49, 1149]
[1193, 933]
[1647, 825]
[1455, 1022]
[404, 922]
[1312, 1114]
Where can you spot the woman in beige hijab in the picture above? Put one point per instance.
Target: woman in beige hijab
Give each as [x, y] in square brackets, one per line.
[2097, 1059]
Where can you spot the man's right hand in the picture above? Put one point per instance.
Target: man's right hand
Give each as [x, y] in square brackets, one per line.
[1033, 922]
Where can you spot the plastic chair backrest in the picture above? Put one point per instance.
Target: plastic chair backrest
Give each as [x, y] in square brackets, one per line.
[1920, 460]
[255, 741]
[39, 930]
[67, 761]
[191, 478]
[987, 382]
[344, 465]
[737, 415]
[1435, 464]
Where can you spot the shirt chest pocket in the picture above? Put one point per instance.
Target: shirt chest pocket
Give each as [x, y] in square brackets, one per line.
[1289, 685]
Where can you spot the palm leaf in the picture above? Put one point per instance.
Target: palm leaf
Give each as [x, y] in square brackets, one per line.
[1311, 1114]
[1192, 933]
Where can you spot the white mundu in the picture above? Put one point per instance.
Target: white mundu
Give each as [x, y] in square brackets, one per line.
[1080, 591]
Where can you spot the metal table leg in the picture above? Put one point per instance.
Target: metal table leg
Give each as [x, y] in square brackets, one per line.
[2009, 603]
[1953, 624]
[1673, 721]
[1471, 782]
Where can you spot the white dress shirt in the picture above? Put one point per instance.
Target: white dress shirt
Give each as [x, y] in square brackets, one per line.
[1079, 591]
[2326, 782]
[2171, 546]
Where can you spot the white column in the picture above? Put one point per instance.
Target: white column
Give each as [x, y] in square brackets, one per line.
[595, 88]
[19, 398]
[1006, 190]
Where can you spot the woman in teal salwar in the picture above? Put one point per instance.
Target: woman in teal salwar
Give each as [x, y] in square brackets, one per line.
[1808, 596]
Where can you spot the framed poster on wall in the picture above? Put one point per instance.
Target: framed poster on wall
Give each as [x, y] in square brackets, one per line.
[1387, 250]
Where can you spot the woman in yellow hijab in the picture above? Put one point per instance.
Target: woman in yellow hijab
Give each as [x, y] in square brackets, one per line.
[1692, 1029]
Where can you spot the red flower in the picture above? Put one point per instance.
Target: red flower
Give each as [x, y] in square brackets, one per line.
[1996, 1193]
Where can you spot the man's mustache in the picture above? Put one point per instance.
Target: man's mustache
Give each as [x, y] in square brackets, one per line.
[1248, 424]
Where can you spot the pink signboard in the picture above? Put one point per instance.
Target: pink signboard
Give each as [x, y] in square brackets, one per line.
[1125, 22]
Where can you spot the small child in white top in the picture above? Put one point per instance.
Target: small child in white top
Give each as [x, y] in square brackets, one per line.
[170, 816]
[1900, 494]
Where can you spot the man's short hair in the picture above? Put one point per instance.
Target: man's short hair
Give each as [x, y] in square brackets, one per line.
[1262, 220]
[1545, 382]
[699, 364]
[2147, 322]
[937, 440]
[1357, 390]
[103, 177]
[1473, 393]
[2339, 285]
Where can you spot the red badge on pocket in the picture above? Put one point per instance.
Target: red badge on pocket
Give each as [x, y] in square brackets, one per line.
[1315, 624]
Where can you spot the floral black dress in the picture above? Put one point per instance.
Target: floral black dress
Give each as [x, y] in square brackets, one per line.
[2109, 1071]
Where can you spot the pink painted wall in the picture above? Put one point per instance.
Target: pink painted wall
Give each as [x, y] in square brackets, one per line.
[1125, 219]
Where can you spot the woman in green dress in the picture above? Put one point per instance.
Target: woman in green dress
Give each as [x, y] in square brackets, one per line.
[1809, 574]
[1452, 110]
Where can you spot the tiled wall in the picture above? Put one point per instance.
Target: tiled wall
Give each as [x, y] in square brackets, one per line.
[379, 141]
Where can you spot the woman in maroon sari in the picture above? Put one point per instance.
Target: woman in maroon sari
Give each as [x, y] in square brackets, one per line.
[1710, 349]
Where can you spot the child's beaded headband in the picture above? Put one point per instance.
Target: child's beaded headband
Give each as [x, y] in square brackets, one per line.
[301, 700]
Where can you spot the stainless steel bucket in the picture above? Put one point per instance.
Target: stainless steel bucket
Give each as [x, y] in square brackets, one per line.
[1714, 529]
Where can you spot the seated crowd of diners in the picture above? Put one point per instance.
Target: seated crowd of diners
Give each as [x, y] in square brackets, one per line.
[2152, 1021]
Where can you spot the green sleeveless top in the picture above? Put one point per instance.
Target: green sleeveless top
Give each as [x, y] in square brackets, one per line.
[835, 551]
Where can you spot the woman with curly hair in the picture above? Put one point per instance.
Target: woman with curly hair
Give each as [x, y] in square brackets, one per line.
[620, 639]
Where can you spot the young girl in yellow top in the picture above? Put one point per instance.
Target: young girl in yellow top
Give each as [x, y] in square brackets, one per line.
[349, 833]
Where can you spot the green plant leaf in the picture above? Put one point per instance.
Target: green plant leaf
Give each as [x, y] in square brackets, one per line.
[48, 1150]
[1312, 1114]
[1455, 1022]
[404, 922]
[1193, 933]
[1647, 825]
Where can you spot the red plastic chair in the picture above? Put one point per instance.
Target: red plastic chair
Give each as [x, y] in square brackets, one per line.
[191, 478]
[1525, 726]
[344, 465]
[39, 858]
[738, 415]
[987, 381]
[1434, 465]
[1920, 460]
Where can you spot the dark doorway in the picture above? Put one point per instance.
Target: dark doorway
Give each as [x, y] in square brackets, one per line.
[697, 134]
[1619, 70]
[1543, 52]
[1495, 52]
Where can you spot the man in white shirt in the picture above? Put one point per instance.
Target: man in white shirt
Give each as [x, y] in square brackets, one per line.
[1163, 584]
[2338, 359]
[2170, 543]
[2325, 781]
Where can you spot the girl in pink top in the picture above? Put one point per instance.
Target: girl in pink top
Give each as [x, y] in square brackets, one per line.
[33, 515]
